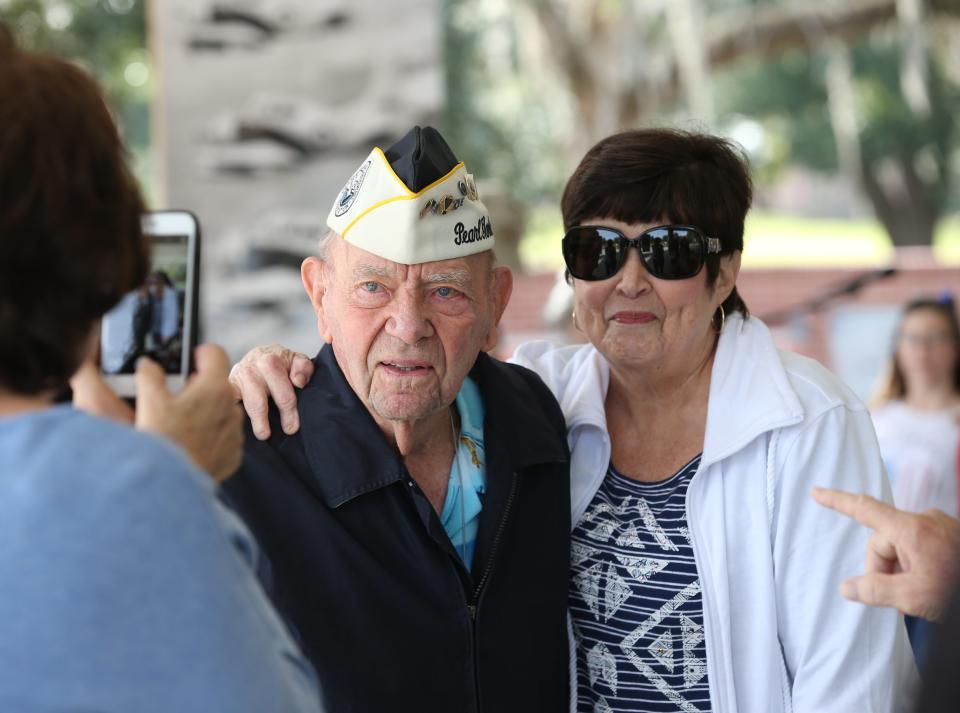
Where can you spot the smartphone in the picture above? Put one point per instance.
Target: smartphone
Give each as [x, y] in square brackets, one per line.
[159, 318]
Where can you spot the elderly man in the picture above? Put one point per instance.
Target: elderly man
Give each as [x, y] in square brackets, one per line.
[417, 523]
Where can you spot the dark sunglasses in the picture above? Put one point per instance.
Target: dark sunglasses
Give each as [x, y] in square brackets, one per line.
[669, 252]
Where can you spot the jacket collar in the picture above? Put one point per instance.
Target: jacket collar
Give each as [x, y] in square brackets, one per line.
[347, 453]
[515, 415]
[750, 392]
[583, 395]
[349, 456]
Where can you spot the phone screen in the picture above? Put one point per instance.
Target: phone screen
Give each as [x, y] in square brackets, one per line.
[149, 321]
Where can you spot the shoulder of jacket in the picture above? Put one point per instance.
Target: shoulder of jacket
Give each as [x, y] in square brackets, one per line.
[556, 365]
[523, 378]
[817, 388]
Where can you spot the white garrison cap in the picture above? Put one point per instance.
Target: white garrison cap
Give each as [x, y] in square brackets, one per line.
[413, 203]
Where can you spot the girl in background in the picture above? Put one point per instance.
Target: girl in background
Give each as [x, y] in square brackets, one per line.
[917, 417]
[916, 412]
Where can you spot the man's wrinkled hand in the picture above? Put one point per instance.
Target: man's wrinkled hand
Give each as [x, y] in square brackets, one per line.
[267, 373]
[912, 560]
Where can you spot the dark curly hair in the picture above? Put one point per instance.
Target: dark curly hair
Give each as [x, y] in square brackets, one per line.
[71, 243]
[653, 175]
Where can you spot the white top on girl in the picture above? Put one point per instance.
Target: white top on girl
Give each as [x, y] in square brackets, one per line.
[920, 451]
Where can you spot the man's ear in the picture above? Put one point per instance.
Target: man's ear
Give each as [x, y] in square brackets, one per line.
[502, 288]
[727, 277]
[315, 275]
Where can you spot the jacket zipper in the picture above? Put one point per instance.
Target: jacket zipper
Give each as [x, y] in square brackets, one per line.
[474, 603]
[478, 590]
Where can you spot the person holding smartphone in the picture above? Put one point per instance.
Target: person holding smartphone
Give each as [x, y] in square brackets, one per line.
[126, 587]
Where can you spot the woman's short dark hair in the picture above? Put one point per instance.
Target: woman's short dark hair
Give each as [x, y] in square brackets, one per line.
[654, 175]
[71, 243]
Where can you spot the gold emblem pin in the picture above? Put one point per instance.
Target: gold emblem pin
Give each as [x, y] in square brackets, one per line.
[445, 205]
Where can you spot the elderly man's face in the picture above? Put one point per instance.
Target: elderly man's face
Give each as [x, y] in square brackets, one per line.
[406, 336]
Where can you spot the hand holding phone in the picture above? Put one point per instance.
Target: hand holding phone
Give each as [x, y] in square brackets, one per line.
[159, 319]
[203, 418]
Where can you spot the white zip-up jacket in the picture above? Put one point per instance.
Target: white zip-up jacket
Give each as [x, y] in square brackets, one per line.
[779, 635]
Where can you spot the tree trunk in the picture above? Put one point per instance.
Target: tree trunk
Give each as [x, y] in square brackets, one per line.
[902, 202]
[914, 225]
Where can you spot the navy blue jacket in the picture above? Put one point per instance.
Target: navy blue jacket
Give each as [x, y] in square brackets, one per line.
[364, 571]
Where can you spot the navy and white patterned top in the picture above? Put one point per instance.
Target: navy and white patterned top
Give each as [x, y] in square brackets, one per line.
[635, 600]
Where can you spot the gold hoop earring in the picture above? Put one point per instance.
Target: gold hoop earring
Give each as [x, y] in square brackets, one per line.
[723, 319]
[573, 316]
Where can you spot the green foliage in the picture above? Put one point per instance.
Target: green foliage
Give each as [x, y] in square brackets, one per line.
[108, 37]
[495, 118]
[513, 126]
[892, 129]
[788, 95]
[470, 134]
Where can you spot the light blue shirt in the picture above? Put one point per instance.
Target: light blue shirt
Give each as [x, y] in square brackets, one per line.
[468, 475]
[125, 585]
[116, 332]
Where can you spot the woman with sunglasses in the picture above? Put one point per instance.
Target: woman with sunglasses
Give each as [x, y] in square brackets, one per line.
[703, 576]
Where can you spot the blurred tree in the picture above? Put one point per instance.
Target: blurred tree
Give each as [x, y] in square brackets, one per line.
[844, 108]
[499, 114]
[108, 37]
[626, 60]
[875, 94]
[469, 129]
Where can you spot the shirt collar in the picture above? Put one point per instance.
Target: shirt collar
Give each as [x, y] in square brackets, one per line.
[515, 415]
[347, 453]
[349, 456]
